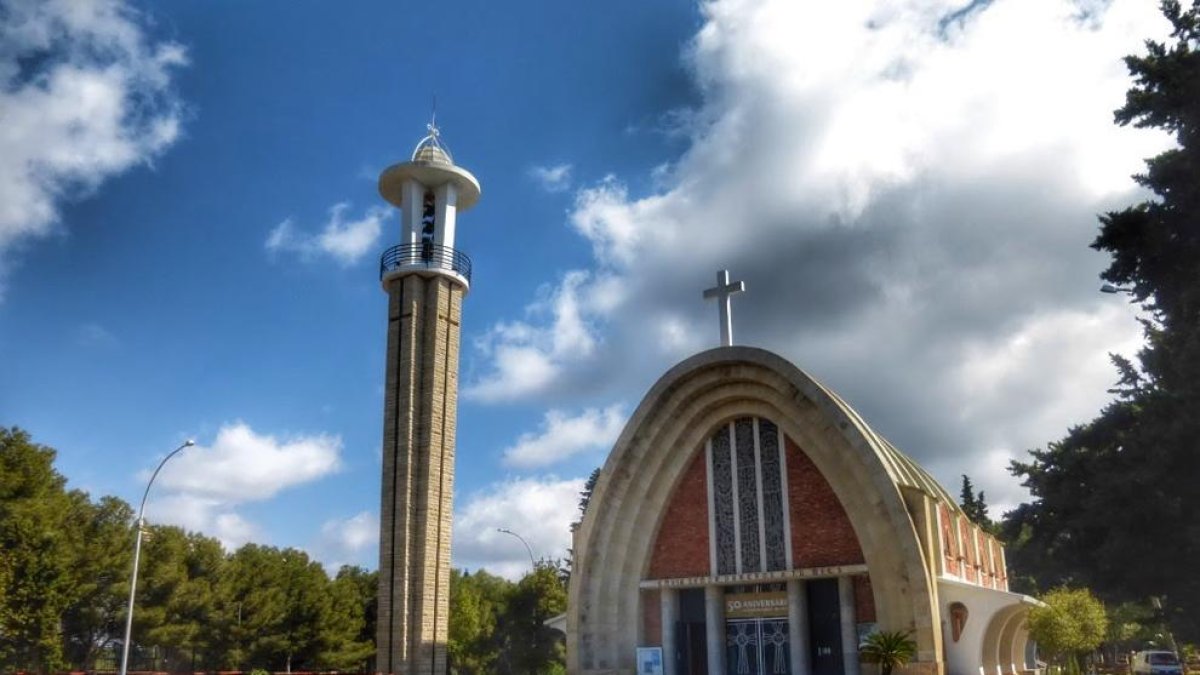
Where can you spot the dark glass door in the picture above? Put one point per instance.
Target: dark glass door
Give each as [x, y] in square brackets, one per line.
[691, 656]
[825, 627]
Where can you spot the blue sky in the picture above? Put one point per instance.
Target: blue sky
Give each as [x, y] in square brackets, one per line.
[190, 241]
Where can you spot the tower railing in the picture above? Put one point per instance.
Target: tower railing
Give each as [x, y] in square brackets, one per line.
[425, 255]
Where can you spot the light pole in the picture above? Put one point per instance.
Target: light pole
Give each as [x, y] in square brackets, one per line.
[137, 554]
[537, 621]
[506, 531]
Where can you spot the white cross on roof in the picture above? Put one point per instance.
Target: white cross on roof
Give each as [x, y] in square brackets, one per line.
[722, 292]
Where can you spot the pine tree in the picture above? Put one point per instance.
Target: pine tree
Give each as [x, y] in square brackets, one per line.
[1124, 484]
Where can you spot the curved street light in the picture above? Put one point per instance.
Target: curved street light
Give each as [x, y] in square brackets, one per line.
[507, 531]
[137, 554]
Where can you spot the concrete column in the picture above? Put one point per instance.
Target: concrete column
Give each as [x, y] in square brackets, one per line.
[443, 234]
[798, 627]
[714, 622]
[670, 619]
[410, 213]
[849, 626]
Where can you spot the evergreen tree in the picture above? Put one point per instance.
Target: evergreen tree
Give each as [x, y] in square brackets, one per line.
[348, 634]
[101, 557]
[1123, 485]
[35, 575]
[974, 504]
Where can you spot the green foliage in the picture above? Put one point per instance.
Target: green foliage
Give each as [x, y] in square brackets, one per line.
[1071, 623]
[348, 632]
[100, 537]
[1121, 488]
[64, 582]
[64, 579]
[477, 603]
[974, 504]
[35, 578]
[889, 649]
[497, 626]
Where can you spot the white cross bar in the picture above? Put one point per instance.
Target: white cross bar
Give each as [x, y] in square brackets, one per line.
[722, 291]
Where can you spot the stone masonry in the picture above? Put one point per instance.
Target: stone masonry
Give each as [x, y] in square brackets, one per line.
[420, 412]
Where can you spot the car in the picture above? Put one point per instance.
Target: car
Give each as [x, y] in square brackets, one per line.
[1156, 663]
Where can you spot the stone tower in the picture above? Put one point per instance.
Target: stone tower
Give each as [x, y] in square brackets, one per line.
[425, 279]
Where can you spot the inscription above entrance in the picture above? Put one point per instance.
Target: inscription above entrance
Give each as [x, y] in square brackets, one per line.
[756, 605]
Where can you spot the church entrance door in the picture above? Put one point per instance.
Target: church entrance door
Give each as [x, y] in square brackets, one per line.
[825, 627]
[757, 647]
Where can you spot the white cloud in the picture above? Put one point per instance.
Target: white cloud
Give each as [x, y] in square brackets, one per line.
[86, 95]
[347, 541]
[562, 436]
[528, 357]
[909, 200]
[213, 517]
[555, 178]
[345, 242]
[206, 483]
[539, 510]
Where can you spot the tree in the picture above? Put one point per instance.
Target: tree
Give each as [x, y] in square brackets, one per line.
[348, 632]
[533, 646]
[889, 649]
[478, 602]
[100, 560]
[585, 497]
[1070, 624]
[34, 570]
[1123, 484]
[974, 504]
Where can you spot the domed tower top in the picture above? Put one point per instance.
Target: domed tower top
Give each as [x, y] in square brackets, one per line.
[430, 149]
[429, 190]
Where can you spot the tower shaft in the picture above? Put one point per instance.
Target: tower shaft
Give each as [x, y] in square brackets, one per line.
[420, 411]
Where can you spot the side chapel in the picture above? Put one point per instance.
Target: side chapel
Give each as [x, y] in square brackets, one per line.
[748, 521]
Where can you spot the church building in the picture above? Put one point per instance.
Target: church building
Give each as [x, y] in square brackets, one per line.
[748, 521]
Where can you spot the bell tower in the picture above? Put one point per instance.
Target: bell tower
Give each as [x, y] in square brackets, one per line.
[426, 279]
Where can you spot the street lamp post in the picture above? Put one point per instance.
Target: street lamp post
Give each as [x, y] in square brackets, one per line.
[137, 554]
[537, 621]
[532, 563]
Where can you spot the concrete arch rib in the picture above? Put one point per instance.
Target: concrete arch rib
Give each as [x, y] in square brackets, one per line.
[614, 541]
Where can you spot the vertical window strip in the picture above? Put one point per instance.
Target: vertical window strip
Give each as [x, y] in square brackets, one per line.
[713, 568]
[773, 510]
[723, 502]
[758, 482]
[736, 503]
[784, 499]
[746, 474]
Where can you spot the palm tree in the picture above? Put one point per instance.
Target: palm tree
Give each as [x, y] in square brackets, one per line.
[889, 649]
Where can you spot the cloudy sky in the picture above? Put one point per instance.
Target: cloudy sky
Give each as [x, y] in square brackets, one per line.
[189, 232]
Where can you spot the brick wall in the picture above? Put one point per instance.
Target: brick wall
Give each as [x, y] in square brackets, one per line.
[681, 548]
[821, 531]
[651, 617]
[970, 564]
[949, 541]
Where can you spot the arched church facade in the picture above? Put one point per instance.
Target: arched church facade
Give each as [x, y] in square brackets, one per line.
[748, 522]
